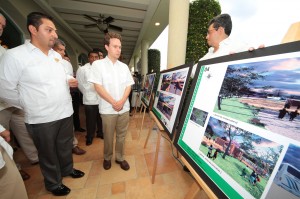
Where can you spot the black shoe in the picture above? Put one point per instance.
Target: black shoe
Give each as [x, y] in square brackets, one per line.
[107, 164]
[62, 190]
[80, 129]
[76, 173]
[89, 141]
[100, 135]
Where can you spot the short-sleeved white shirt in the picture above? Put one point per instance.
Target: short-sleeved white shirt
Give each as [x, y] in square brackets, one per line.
[35, 82]
[114, 78]
[226, 47]
[90, 96]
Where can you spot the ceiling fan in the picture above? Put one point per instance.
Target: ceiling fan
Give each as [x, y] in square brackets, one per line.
[102, 23]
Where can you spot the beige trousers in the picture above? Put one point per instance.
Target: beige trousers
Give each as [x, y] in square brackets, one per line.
[11, 182]
[114, 123]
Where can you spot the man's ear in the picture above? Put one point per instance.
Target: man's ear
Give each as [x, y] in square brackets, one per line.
[32, 29]
[106, 47]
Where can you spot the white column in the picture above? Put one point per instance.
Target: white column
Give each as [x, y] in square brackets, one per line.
[144, 53]
[178, 27]
[135, 60]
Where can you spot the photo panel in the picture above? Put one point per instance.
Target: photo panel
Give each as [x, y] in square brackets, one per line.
[240, 127]
[170, 95]
[148, 88]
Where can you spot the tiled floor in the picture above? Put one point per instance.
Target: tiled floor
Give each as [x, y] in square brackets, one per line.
[171, 181]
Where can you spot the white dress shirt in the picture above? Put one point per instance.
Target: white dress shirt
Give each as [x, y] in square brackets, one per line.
[67, 67]
[6, 147]
[3, 105]
[90, 96]
[35, 82]
[114, 78]
[226, 47]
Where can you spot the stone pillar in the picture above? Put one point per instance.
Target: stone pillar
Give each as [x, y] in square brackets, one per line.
[135, 60]
[144, 53]
[178, 27]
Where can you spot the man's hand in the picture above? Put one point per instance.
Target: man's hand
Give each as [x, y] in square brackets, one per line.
[252, 48]
[73, 83]
[6, 135]
[118, 105]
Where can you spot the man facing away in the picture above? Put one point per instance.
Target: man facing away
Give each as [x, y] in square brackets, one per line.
[112, 81]
[91, 99]
[32, 77]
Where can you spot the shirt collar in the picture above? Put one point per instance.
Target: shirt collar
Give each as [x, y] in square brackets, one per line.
[32, 47]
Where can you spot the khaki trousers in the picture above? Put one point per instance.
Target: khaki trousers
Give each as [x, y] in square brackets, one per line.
[11, 182]
[112, 123]
[13, 119]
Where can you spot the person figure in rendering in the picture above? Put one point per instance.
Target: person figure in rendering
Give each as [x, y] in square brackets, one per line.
[215, 155]
[112, 80]
[210, 148]
[32, 78]
[283, 111]
[294, 114]
[91, 99]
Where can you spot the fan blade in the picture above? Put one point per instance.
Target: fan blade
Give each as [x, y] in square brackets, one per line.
[90, 25]
[117, 28]
[90, 18]
[108, 20]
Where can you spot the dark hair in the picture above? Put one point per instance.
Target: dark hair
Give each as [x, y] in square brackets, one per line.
[93, 51]
[59, 42]
[222, 20]
[34, 19]
[111, 35]
[97, 50]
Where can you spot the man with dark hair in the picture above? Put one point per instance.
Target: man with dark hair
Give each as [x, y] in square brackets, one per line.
[60, 47]
[101, 55]
[91, 99]
[219, 29]
[32, 77]
[112, 80]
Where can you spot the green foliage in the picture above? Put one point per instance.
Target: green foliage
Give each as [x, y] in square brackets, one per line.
[201, 12]
[154, 64]
[153, 60]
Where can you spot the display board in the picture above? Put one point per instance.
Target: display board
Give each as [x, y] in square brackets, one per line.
[169, 96]
[240, 130]
[148, 88]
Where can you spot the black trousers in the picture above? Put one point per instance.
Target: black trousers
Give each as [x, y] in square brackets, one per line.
[76, 104]
[54, 142]
[93, 119]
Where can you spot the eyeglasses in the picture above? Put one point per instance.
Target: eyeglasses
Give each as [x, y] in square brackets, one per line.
[209, 31]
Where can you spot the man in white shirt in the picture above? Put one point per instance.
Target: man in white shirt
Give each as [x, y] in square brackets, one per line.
[91, 99]
[60, 47]
[112, 80]
[219, 29]
[32, 78]
[13, 118]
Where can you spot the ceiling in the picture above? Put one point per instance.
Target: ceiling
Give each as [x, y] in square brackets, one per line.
[136, 17]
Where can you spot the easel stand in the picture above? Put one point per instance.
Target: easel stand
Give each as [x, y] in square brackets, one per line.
[143, 107]
[161, 129]
[198, 185]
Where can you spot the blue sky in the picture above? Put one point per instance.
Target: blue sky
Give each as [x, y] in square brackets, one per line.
[254, 21]
[282, 74]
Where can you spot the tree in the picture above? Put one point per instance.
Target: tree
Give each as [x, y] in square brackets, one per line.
[239, 79]
[200, 13]
[154, 64]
